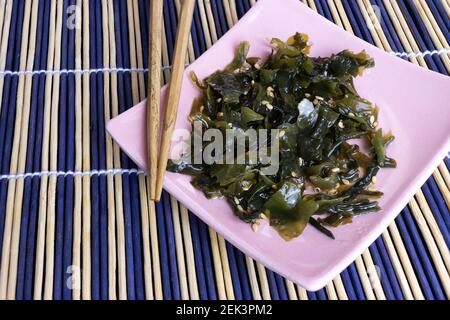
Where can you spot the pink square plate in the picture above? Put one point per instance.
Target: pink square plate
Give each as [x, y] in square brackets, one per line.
[414, 104]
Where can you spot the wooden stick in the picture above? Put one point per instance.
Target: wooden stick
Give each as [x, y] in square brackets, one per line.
[403, 32]
[331, 292]
[403, 281]
[4, 45]
[226, 268]
[221, 291]
[434, 228]
[154, 89]
[395, 241]
[233, 11]
[2, 17]
[436, 257]
[212, 24]
[86, 216]
[263, 281]
[226, 6]
[147, 261]
[205, 25]
[157, 278]
[374, 278]
[340, 288]
[51, 197]
[334, 13]
[369, 21]
[120, 233]
[446, 6]
[76, 255]
[444, 182]
[253, 278]
[174, 92]
[377, 29]
[18, 156]
[179, 249]
[40, 240]
[290, 288]
[345, 22]
[367, 286]
[190, 258]
[190, 57]
[112, 261]
[302, 294]
[132, 52]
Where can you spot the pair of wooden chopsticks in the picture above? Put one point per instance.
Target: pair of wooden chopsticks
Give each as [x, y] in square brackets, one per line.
[157, 166]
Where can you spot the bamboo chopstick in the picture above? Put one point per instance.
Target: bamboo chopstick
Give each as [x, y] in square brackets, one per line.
[154, 87]
[184, 27]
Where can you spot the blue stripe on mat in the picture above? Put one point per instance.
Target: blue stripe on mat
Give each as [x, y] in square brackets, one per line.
[9, 107]
[28, 214]
[70, 165]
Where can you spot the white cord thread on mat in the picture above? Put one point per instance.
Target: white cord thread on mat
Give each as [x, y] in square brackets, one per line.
[421, 54]
[78, 71]
[142, 70]
[93, 173]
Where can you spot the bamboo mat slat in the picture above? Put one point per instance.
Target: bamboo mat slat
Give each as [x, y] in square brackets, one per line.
[76, 221]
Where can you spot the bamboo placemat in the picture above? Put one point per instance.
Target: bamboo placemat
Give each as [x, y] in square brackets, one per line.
[75, 220]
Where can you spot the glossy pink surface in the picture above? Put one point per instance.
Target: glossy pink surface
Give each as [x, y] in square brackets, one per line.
[414, 104]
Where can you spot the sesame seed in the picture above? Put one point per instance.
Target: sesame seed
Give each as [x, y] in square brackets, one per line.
[282, 133]
[230, 125]
[253, 82]
[307, 95]
[202, 108]
[301, 162]
[220, 114]
[255, 227]
[335, 170]
[246, 185]
[316, 101]
[346, 182]
[375, 124]
[237, 71]
[269, 106]
[372, 120]
[245, 67]
[236, 200]
[294, 174]
[264, 217]
[219, 100]
[318, 189]
[319, 98]
[351, 114]
[257, 66]
[274, 186]
[332, 192]
[341, 124]
[374, 180]
[239, 207]
[264, 102]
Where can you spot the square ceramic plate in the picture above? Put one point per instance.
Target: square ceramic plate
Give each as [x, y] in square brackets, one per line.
[414, 104]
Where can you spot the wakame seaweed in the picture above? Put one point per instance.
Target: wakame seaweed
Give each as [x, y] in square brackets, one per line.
[324, 177]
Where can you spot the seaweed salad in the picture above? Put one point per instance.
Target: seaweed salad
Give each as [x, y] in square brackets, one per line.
[324, 177]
